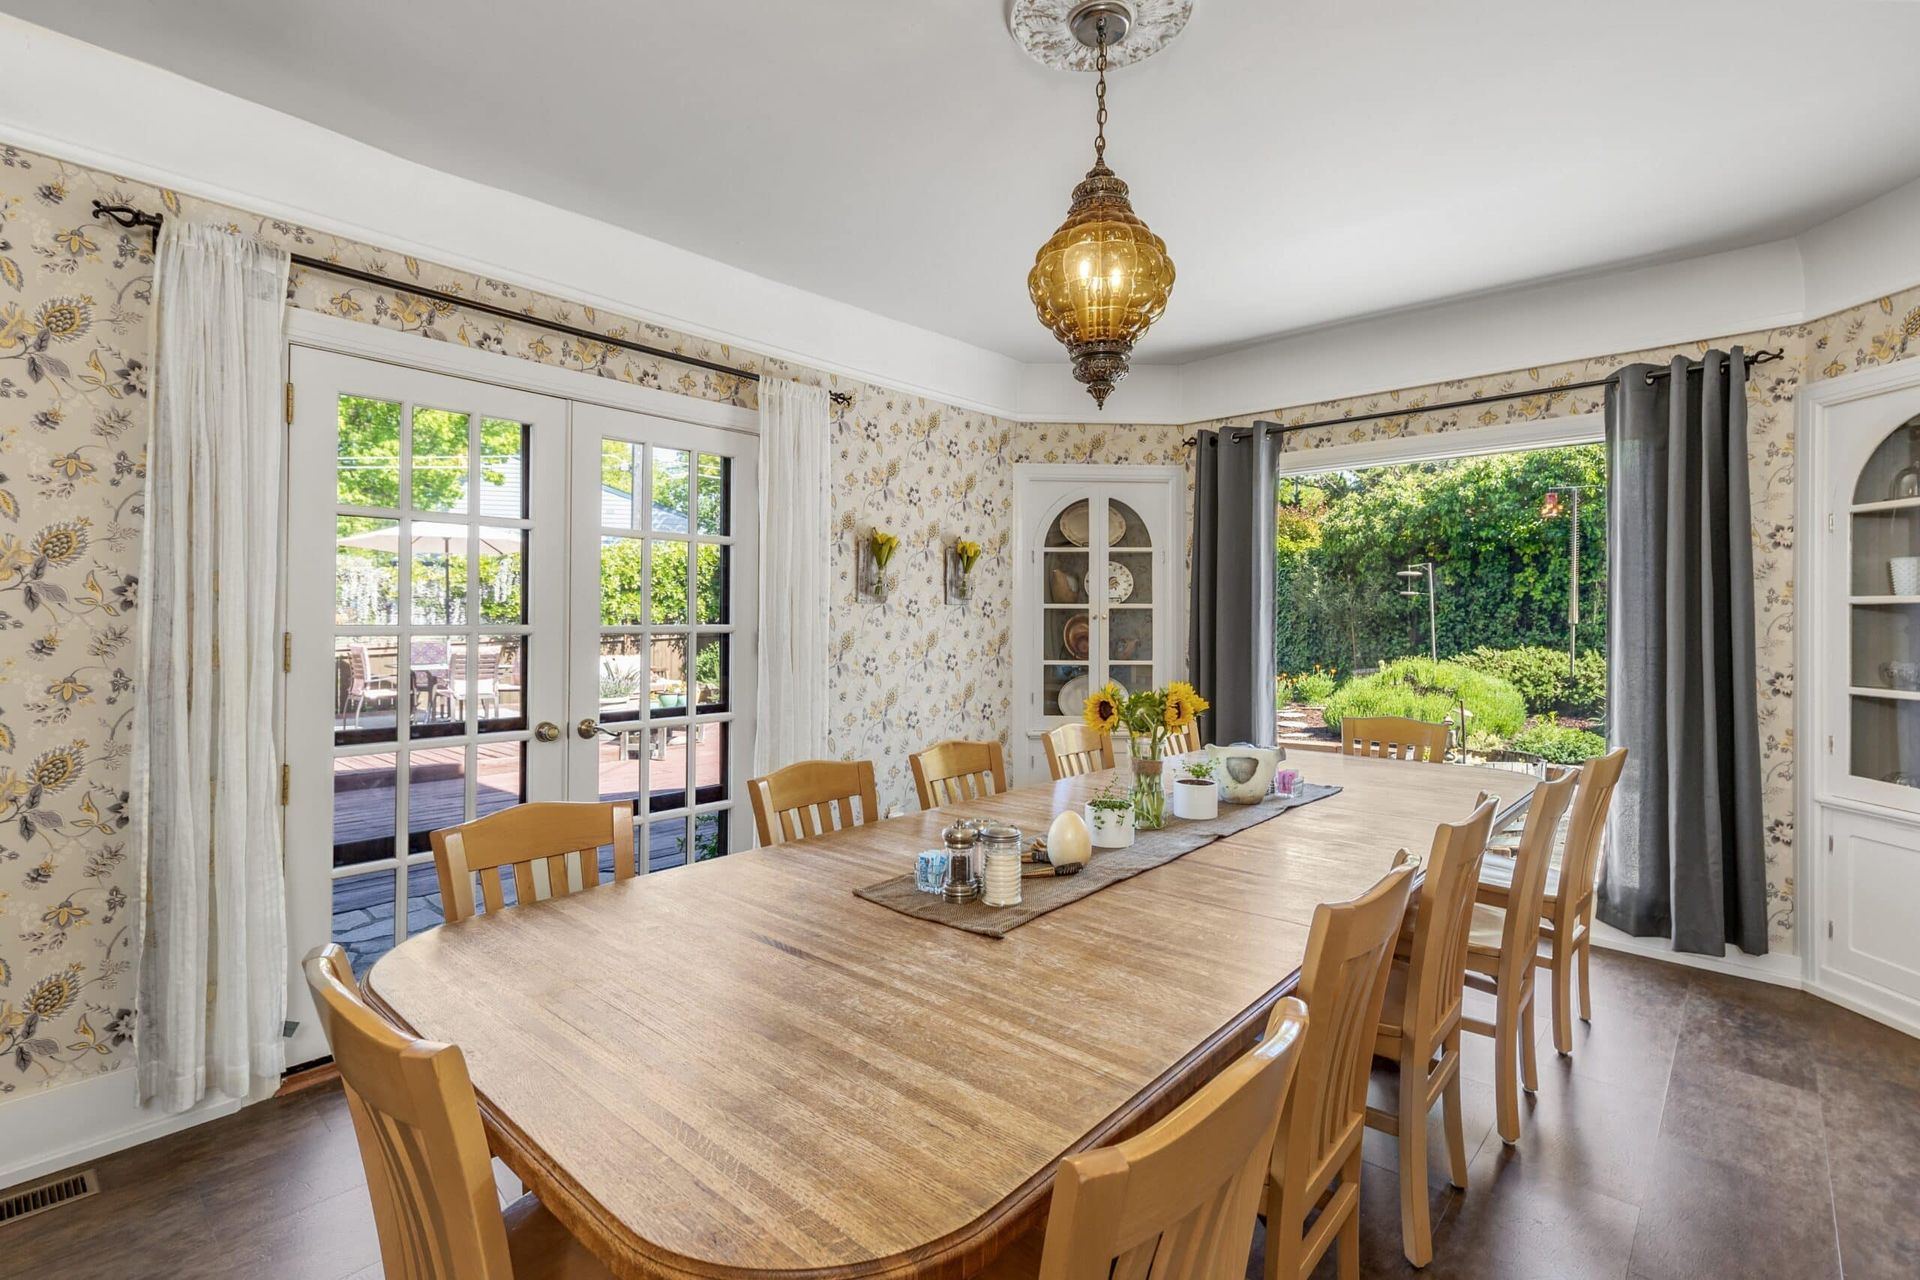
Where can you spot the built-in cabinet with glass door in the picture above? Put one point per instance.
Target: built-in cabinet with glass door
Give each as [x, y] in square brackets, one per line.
[1098, 592]
[1861, 678]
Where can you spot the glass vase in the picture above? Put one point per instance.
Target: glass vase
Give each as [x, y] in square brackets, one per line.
[1149, 795]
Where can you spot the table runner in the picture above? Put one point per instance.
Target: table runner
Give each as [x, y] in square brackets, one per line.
[1041, 894]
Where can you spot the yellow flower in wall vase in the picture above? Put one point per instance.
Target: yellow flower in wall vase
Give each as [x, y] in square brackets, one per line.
[962, 556]
[878, 549]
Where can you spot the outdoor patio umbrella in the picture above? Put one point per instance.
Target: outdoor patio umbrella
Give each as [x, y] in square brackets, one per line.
[447, 540]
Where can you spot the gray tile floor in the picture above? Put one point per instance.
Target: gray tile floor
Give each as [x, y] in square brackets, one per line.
[1704, 1127]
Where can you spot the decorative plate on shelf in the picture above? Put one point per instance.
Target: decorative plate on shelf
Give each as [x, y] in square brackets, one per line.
[1075, 636]
[1075, 525]
[1119, 583]
[1073, 696]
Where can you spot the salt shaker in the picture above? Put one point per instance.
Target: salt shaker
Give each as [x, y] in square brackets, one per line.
[999, 845]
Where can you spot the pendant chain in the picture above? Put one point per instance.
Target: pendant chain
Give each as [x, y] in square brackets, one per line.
[1100, 96]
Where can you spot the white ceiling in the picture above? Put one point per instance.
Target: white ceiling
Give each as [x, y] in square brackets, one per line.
[1307, 163]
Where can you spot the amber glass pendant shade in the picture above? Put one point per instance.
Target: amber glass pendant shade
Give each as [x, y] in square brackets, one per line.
[1100, 280]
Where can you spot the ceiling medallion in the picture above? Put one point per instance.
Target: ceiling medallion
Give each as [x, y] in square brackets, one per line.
[1043, 28]
[1103, 278]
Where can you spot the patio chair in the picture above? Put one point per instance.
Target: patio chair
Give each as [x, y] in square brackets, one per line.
[364, 687]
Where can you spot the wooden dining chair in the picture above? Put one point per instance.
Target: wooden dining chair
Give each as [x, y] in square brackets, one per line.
[1077, 749]
[1316, 1159]
[436, 1208]
[1183, 741]
[1394, 738]
[1567, 904]
[957, 771]
[1419, 1027]
[803, 800]
[1502, 945]
[546, 840]
[1177, 1201]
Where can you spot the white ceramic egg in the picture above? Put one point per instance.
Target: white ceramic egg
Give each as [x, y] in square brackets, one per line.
[1069, 843]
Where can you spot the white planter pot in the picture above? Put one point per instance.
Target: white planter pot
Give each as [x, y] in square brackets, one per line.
[1196, 798]
[1110, 828]
[1905, 572]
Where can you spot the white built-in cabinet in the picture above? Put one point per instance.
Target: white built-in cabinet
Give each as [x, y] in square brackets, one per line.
[1859, 690]
[1099, 591]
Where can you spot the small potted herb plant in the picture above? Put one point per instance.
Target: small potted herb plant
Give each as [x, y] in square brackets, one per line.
[1195, 793]
[1110, 819]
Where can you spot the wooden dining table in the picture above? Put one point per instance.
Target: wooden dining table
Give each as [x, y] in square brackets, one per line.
[740, 1069]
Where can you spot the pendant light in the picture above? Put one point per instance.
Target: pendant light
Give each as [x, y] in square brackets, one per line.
[1104, 276]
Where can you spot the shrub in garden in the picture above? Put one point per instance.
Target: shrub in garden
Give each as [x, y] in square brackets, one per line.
[1422, 689]
[1558, 743]
[1540, 674]
[1315, 687]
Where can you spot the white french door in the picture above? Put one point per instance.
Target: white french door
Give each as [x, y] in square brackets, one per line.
[496, 597]
[664, 573]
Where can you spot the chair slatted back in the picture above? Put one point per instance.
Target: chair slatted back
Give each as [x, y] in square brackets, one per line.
[560, 838]
[1443, 923]
[958, 771]
[1344, 984]
[1183, 741]
[1393, 738]
[1532, 858]
[1586, 827]
[1178, 1201]
[1074, 750]
[435, 1205]
[803, 800]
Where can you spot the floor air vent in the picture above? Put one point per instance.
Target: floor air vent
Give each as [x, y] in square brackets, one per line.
[30, 1200]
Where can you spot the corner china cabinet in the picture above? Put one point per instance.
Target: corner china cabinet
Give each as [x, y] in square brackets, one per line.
[1859, 570]
[1099, 592]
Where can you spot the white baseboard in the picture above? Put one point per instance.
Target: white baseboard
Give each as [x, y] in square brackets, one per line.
[1869, 1001]
[1778, 968]
[57, 1128]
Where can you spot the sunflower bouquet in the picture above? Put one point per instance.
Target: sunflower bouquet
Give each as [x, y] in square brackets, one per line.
[1149, 718]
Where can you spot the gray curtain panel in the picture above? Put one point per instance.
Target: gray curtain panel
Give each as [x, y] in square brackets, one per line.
[1686, 855]
[1230, 619]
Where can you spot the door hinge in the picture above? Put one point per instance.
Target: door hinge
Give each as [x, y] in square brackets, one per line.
[1829, 844]
[286, 783]
[289, 404]
[1830, 525]
[1829, 931]
[1829, 744]
[286, 651]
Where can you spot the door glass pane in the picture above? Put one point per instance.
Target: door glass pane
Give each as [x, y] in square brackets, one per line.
[714, 497]
[667, 757]
[433, 707]
[670, 477]
[503, 559]
[365, 812]
[710, 586]
[669, 581]
[439, 567]
[499, 686]
[367, 457]
[667, 843]
[363, 917]
[709, 760]
[617, 461]
[436, 792]
[710, 674]
[366, 571]
[424, 909]
[440, 454]
[500, 778]
[623, 677]
[622, 578]
[366, 688]
[620, 762]
[709, 835]
[503, 468]
[667, 681]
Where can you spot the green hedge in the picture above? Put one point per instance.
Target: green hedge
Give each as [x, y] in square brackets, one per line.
[1422, 689]
[1540, 674]
[1558, 743]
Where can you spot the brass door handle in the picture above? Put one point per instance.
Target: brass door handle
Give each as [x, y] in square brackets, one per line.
[547, 731]
[588, 726]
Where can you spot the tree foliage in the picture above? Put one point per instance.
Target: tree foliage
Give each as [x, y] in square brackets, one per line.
[1501, 568]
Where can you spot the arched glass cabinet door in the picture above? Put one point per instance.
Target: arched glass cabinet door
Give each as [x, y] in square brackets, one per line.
[1131, 598]
[1883, 692]
[1066, 611]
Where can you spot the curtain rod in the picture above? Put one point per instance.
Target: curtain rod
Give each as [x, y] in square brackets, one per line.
[128, 216]
[1758, 358]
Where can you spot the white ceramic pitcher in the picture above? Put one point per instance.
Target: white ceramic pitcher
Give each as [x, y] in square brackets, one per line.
[1244, 771]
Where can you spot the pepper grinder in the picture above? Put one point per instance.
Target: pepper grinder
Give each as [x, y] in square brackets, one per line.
[962, 884]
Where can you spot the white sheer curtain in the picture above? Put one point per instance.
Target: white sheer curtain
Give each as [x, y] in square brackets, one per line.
[796, 569]
[213, 975]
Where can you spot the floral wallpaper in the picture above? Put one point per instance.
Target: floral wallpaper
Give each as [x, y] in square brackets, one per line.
[74, 300]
